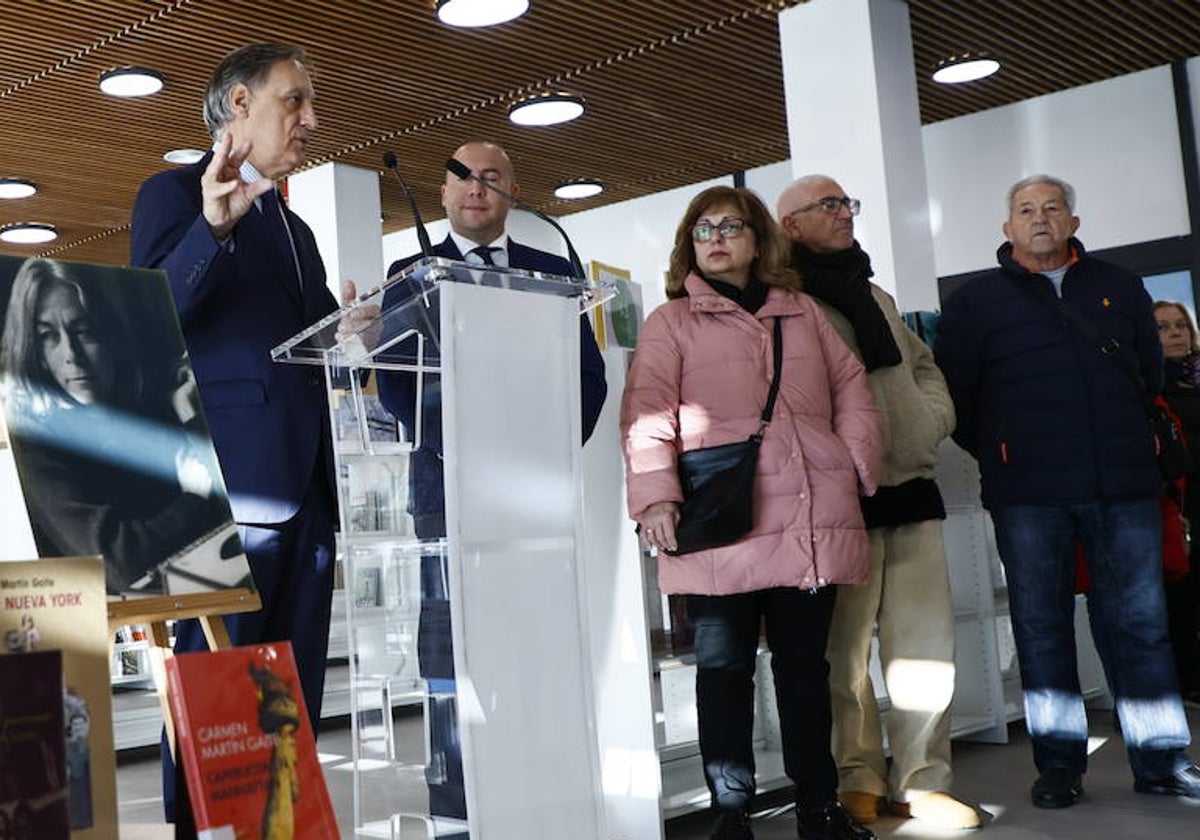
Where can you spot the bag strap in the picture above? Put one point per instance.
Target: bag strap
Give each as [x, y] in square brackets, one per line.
[769, 409]
[1109, 346]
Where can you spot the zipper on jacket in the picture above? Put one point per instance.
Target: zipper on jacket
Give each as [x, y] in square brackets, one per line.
[1002, 439]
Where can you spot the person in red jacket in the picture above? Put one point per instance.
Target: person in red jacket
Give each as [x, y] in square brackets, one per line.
[1181, 390]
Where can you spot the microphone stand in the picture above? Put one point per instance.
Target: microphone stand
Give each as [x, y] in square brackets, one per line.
[389, 160]
[435, 274]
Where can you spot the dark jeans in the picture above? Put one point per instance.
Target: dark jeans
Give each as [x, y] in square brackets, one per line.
[727, 632]
[1123, 544]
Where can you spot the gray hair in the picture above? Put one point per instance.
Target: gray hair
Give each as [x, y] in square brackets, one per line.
[1068, 192]
[249, 65]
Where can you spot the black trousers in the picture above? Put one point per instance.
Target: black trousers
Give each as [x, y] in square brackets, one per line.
[727, 633]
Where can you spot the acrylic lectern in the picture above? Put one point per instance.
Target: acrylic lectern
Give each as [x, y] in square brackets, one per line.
[500, 348]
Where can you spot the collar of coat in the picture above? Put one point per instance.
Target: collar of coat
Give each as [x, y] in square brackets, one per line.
[780, 302]
[1007, 263]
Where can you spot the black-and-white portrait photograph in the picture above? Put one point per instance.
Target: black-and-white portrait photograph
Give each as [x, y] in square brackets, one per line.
[107, 431]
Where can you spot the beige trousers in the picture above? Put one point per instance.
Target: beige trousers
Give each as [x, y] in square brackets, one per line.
[908, 595]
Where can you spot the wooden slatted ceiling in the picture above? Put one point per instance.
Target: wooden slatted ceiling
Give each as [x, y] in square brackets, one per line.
[677, 92]
[1043, 46]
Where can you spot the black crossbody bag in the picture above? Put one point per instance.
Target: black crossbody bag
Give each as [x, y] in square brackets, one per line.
[1174, 459]
[718, 482]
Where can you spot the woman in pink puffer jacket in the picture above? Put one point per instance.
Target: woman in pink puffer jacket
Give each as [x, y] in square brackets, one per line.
[700, 378]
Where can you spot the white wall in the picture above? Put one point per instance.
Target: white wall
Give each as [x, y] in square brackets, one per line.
[1116, 141]
[636, 235]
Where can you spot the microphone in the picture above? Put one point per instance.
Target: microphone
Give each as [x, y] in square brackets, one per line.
[389, 160]
[436, 275]
[464, 172]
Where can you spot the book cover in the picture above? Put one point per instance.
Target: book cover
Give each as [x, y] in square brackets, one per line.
[33, 759]
[244, 741]
[60, 604]
[366, 587]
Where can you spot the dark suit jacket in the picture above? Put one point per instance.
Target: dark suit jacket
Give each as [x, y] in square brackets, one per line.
[270, 422]
[397, 390]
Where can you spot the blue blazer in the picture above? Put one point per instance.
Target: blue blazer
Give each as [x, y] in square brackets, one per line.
[269, 421]
[397, 390]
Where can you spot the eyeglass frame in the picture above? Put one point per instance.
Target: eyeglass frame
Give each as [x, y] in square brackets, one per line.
[722, 227]
[854, 205]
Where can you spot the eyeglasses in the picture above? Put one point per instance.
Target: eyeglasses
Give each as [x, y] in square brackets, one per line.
[728, 228]
[831, 204]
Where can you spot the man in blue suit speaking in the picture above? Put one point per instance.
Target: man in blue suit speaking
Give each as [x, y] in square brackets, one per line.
[246, 275]
[477, 235]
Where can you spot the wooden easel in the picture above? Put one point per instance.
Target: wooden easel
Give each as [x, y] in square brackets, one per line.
[210, 608]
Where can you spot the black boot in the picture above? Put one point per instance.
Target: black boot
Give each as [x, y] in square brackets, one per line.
[732, 824]
[830, 822]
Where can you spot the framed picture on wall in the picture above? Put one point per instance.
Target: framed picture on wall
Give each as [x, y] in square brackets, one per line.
[618, 320]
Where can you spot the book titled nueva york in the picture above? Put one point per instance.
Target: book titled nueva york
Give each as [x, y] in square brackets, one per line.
[59, 604]
[249, 754]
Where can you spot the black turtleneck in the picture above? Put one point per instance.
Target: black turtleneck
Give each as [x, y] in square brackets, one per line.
[841, 279]
[751, 298]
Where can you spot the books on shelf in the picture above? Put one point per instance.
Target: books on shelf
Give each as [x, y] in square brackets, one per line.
[33, 758]
[60, 604]
[243, 738]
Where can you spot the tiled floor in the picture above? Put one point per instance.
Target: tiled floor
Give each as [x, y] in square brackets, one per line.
[996, 778]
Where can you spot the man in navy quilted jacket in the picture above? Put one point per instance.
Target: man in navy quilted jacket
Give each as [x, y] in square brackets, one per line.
[1066, 453]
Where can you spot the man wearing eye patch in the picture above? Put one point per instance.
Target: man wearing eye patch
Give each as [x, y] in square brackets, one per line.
[477, 236]
[908, 591]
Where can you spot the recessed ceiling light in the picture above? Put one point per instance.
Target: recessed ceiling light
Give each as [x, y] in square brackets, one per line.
[183, 155]
[131, 81]
[579, 188]
[547, 109]
[17, 188]
[480, 12]
[968, 68]
[28, 233]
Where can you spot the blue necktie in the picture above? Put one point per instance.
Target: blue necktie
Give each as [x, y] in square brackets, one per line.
[276, 218]
[484, 252]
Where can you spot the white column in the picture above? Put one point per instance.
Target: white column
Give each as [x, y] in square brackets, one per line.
[341, 204]
[16, 534]
[852, 115]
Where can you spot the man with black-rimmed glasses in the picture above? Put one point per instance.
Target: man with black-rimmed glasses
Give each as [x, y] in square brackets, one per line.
[908, 591]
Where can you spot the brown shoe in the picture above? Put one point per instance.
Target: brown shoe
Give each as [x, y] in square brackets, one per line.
[864, 807]
[938, 809]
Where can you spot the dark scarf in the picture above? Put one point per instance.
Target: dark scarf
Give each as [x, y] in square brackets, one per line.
[1182, 373]
[751, 298]
[841, 280]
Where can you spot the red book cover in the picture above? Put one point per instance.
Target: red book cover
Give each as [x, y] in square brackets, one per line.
[248, 752]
